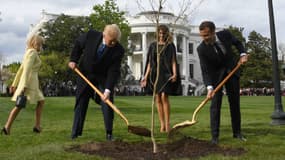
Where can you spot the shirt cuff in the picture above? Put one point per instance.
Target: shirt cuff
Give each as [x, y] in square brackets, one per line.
[210, 88]
[107, 90]
[243, 54]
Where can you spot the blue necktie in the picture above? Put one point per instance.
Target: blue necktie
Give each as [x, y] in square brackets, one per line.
[101, 50]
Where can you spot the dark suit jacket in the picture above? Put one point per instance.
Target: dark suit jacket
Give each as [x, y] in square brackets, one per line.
[104, 71]
[212, 65]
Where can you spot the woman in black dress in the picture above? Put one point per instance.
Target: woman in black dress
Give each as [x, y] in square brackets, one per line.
[167, 74]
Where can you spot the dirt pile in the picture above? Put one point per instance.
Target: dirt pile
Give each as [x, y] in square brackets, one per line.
[186, 147]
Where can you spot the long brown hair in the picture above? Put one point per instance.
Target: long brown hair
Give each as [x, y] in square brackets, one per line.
[167, 35]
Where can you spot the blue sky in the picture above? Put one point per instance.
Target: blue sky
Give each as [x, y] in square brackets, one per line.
[17, 16]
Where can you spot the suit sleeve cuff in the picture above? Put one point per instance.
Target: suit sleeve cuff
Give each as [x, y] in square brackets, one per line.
[107, 90]
[210, 87]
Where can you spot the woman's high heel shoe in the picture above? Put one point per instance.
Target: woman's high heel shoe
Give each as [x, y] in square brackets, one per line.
[36, 130]
[4, 130]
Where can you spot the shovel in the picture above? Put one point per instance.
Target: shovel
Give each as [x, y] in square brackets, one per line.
[193, 121]
[132, 129]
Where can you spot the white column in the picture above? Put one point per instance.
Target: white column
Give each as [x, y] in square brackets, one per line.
[144, 49]
[175, 40]
[130, 62]
[184, 64]
[184, 57]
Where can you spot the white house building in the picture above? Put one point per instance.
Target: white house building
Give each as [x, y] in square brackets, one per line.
[143, 27]
[186, 39]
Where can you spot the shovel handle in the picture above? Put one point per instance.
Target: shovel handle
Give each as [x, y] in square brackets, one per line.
[102, 95]
[227, 77]
[216, 90]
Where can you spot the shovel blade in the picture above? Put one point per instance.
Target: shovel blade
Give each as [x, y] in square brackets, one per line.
[139, 131]
[178, 126]
[184, 124]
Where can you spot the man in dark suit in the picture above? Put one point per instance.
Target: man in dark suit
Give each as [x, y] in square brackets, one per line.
[217, 60]
[99, 55]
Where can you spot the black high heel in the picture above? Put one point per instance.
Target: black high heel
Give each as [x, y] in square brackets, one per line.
[36, 130]
[4, 130]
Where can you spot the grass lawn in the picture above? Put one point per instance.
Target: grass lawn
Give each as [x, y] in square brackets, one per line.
[264, 141]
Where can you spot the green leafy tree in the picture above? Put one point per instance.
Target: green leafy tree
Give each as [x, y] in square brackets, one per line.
[237, 32]
[61, 32]
[11, 71]
[109, 13]
[54, 67]
[257, 72]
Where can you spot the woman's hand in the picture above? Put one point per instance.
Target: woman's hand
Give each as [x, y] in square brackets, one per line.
[173, 78]
[12, 89]
[143, 82]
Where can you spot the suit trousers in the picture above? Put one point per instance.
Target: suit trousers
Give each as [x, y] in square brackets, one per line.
[232, 90]
[80, 110]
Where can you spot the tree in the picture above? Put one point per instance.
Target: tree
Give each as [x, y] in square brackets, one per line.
[109, 13]
[237, 32]
[61, 32]
[158, 8]
[10, 71]
[54, 68]
[257, 72]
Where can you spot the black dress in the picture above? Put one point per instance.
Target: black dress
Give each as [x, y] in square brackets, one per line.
[167, 55]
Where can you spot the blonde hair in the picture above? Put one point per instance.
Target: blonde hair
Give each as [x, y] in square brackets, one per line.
[36, 42]
[113, 31]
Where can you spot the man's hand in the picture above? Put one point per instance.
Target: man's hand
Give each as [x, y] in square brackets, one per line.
[210, 93]
[106, 95]
[72, 65]
[243, 59]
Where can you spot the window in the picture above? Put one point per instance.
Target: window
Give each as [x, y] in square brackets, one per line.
[190, 45]
[191, 71]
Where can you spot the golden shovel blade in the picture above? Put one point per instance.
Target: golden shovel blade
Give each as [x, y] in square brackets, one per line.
[184, 124]
[175, 128]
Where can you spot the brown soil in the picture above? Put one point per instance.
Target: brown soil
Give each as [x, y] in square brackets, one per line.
[186, 147]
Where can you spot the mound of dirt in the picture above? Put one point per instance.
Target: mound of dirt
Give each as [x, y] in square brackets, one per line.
[186, 147]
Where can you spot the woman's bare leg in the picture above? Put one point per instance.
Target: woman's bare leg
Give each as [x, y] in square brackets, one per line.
[166, 111]
[38, 114]
[12, 116]
[160, 112]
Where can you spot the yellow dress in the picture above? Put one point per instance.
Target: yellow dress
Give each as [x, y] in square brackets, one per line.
[27, 77]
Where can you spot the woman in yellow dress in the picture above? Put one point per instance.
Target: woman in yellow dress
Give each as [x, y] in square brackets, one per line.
[26, 80]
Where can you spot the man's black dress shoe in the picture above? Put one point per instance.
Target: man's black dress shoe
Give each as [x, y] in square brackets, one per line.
[109, 137]
[240, 137]
[73, 137]
[215, 141]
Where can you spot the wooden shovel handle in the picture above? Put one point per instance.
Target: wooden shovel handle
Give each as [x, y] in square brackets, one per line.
[216, 90]
[102, 95]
